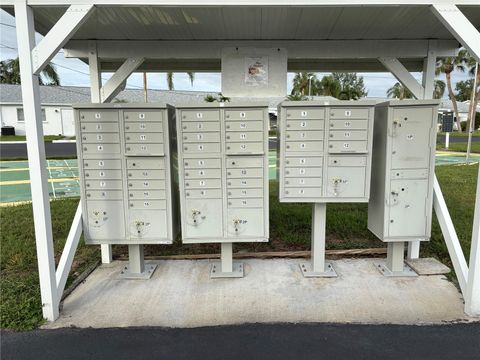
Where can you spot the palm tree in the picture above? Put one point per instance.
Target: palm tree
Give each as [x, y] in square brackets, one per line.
[10, 73]
[439, 89]
[191, 75]
[470, 63]
[302, 82]
[297, 97]
[330, 86]
[399, 91]
[447, 65]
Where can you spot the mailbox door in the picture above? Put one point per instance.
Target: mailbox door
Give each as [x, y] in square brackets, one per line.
[203, 219]
[106, 220]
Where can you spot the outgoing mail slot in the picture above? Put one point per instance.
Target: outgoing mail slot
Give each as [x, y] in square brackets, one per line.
[102, 164]
[195, 148]
[293, 146]
[200, 126]
[147, 204]
[146, 184]
[348, 135]
[347, 146]
[304, 135]
[143, 127]
[244, 162]
[104, 194]
[245, 173]
[93, 149]
[345, 113]
[310, 113]
[304, 161]
[200, 115]
[146, 194]
[305, 125]
[99, 127]
[204, 193]
[410, 174]
[100, 138]
[146, 163]
[103, 184]
[245, 203]
[348, 124]
[103, 174]
[244, 115]
[245, 193]
[301, 192]
[244, 136]
[143, 115]
[245, 148]
[146, 174]
[203, 184]
[303, 182]
[140, 138]
[98, 116]
[244, 125]
[201, 163]
[203, 174]
[306, 172]
[144, 149]
[200, 137]
[347, 161]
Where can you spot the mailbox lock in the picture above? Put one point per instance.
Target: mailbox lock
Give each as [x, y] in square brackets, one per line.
[127, 127]
[195, 214]
[236, 223]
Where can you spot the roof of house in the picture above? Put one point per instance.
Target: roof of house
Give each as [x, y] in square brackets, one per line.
[67, 95]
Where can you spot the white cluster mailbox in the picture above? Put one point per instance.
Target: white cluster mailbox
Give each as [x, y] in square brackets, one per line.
[125, 162]
[223, 167]
[324, 155]
[401, 196]
[325, 151]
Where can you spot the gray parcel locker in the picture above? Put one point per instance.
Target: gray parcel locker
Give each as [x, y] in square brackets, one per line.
[401, 197]
[223, 171]
[324, 151]
[128, 188]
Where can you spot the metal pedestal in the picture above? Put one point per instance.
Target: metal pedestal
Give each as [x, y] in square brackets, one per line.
[318, 267]
[394, 266]
[226, 268]
[136, 268]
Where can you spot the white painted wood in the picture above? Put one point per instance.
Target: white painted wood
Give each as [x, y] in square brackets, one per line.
[402, 75]
[37, 162]
[71, 244]
[299, 49]
[413, 251]
[319, 223]
[247, 2]
[472, 296]
[114, 85]
[95, 72]
[428, 76]
[226, 257]
[451, 239]
[460, 27]
[59, 34]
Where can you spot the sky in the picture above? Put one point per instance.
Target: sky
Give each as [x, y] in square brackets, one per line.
[73, 72]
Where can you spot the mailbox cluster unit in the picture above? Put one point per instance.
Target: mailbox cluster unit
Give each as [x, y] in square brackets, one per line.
[400, 207]
[324, 151]
[223, 167]
[129, 195]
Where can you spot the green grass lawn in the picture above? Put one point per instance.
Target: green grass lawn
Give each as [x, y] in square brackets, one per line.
[290, 229]
[47, 138]
[460, 146]
[462, 134]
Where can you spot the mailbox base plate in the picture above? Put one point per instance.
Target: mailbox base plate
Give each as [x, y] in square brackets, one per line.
[125, 274]
[217, 273]
[385, 271]
[306, 269]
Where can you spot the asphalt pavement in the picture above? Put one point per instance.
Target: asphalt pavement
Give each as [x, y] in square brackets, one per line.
[257, 341]
[52, 150]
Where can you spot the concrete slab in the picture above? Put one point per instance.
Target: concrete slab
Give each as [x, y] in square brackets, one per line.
[428, 266]
[181, 294]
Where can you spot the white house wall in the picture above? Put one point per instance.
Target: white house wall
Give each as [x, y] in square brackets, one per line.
[53, 114]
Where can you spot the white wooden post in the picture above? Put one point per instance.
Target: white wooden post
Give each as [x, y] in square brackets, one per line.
[37, 161]
[472, 295]
[95, 91]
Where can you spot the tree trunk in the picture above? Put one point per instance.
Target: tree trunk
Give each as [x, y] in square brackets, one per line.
[473, 105]
[454, 101]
